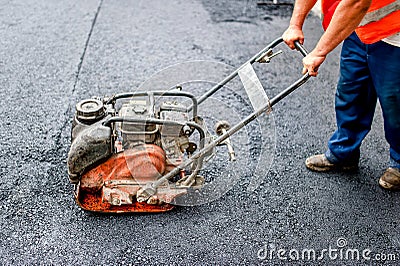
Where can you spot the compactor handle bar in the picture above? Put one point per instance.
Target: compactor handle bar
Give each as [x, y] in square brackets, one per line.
[150, 188]
[252, 60]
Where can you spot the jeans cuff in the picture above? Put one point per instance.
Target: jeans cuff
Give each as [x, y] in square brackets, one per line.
[331, 158]
[335, 160]
[393, 163]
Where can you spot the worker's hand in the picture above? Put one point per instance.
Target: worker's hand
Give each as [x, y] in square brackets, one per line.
[292, 34]
[312, 62]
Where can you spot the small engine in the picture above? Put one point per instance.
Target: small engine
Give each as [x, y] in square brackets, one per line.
[141, 151]
[121, 143]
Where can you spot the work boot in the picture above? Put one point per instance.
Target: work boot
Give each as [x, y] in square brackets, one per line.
[390, 179]
[320, 163]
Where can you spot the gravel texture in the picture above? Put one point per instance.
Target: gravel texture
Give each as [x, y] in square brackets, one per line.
[55, 53]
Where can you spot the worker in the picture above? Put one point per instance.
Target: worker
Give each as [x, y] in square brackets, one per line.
[369, 70]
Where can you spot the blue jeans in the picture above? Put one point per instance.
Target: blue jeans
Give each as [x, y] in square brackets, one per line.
[367, 73]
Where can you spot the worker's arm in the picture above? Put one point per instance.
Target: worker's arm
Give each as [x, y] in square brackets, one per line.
[345, 20]
[295, 30]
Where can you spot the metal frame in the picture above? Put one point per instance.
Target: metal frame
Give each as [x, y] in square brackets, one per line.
[262, 56]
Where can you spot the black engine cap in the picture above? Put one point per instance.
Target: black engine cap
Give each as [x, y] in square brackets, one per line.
[89, 110]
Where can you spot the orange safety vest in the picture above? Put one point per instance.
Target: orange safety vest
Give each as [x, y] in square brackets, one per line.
[382, 19]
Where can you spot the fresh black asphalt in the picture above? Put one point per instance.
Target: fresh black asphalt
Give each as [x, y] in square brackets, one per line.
[56, 53]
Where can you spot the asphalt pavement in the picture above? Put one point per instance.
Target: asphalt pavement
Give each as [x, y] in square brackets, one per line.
[56, 53]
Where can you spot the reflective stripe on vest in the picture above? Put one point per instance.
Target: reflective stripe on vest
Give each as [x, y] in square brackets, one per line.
[381, 21]
[380, 13]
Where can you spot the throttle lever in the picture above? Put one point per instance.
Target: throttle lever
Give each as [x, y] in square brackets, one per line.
[267, 56]
[221, 127]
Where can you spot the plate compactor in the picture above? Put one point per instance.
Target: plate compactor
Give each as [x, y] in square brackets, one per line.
[140, 151]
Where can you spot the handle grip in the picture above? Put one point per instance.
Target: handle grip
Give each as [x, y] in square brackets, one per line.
[301, 48]
[297, 44]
